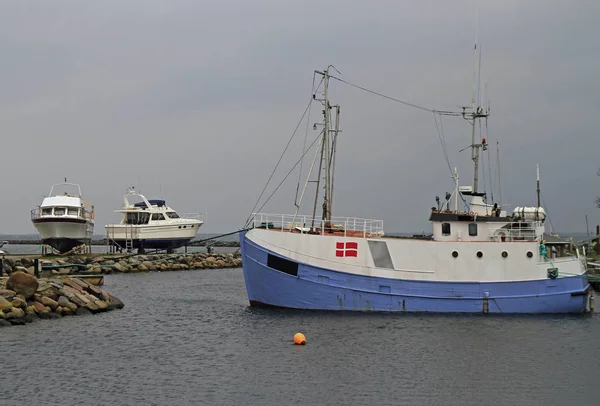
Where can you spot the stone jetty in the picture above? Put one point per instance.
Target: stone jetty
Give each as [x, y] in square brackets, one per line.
[25, 298]
[108, 264]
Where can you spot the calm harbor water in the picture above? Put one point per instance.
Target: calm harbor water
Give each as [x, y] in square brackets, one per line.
[190, 338]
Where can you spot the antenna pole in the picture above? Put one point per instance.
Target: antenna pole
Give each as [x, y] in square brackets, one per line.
[456, 189]
[538, 186]
[499, 178]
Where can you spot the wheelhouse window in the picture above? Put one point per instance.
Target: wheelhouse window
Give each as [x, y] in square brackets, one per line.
[59, 211]
[172, 215]
[73, 211]
[445, 228]
[157, 216]
[47, 211]
[472, 229]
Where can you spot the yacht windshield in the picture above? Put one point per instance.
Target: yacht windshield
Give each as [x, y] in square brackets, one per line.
[172, 215]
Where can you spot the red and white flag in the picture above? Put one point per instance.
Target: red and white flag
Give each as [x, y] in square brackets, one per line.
[348, 249]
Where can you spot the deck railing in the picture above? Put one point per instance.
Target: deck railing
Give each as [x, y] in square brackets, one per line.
[88, 215]
[192, 216]
[356, 227]
[517, 232]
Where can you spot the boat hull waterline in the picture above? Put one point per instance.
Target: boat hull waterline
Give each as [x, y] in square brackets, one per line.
[316, 288]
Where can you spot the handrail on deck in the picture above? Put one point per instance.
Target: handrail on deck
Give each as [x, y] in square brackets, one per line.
[307, 225]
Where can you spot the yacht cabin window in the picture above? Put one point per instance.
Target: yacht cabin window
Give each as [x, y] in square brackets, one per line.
[137, 218]
[172, 215]
[73, 211]
[472, 229]
[445, 228]
[59, 211]
[157, 216]
[47, 211]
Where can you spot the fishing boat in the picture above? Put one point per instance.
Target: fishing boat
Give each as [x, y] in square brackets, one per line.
[478, 258]
[64, 220]
[151, 224]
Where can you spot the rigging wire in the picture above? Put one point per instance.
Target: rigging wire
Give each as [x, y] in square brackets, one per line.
[416, 106]
[440, 131]
[284, 179]
[305, 137]
[547, 210]
[280, 158]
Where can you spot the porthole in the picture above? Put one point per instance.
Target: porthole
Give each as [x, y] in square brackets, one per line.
[184, 226]
[479, 254]
[504, 254]
[529, 254]
[455, 254]
[179, 226]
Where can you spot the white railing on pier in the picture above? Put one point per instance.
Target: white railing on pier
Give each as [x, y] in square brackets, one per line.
[517, 232]
[306, 224]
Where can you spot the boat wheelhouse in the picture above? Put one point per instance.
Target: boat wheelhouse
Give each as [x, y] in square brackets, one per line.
[151, 224]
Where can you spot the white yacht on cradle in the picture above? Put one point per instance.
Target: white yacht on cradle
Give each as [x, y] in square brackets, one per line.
[64, 220]
[151, 224]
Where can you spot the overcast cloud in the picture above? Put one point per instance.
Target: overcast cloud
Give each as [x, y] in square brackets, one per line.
[201, 97]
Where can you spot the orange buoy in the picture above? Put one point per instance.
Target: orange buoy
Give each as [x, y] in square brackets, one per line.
[299, 339]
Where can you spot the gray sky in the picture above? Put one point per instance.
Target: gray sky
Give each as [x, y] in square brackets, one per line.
[202, 96]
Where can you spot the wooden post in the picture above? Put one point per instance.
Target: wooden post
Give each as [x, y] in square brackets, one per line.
[36, 267]
[598, 240]
[1, 266]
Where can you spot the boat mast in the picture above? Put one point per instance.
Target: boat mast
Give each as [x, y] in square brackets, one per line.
[477, 112]
[326, 151]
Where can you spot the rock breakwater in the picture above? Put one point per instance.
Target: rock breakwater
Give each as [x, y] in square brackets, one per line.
[25, 298]
[108, 264]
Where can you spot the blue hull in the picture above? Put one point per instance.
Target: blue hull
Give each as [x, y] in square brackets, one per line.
[323, 289]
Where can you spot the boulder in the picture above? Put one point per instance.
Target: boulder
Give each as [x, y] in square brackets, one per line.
[4, 323]
[27, 262]
[5, 304]
[23, 284]
[80, 282]
[63, 301]
[48, 289]
[7, 293]
[18, 302]
[95, 291]
[82, 311]
[73, 285]
[115, 303]
[30, 310]
[17, 313]
[46, 301]
[39, 308]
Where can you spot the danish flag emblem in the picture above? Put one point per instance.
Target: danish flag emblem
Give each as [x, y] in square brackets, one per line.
[348, 249]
